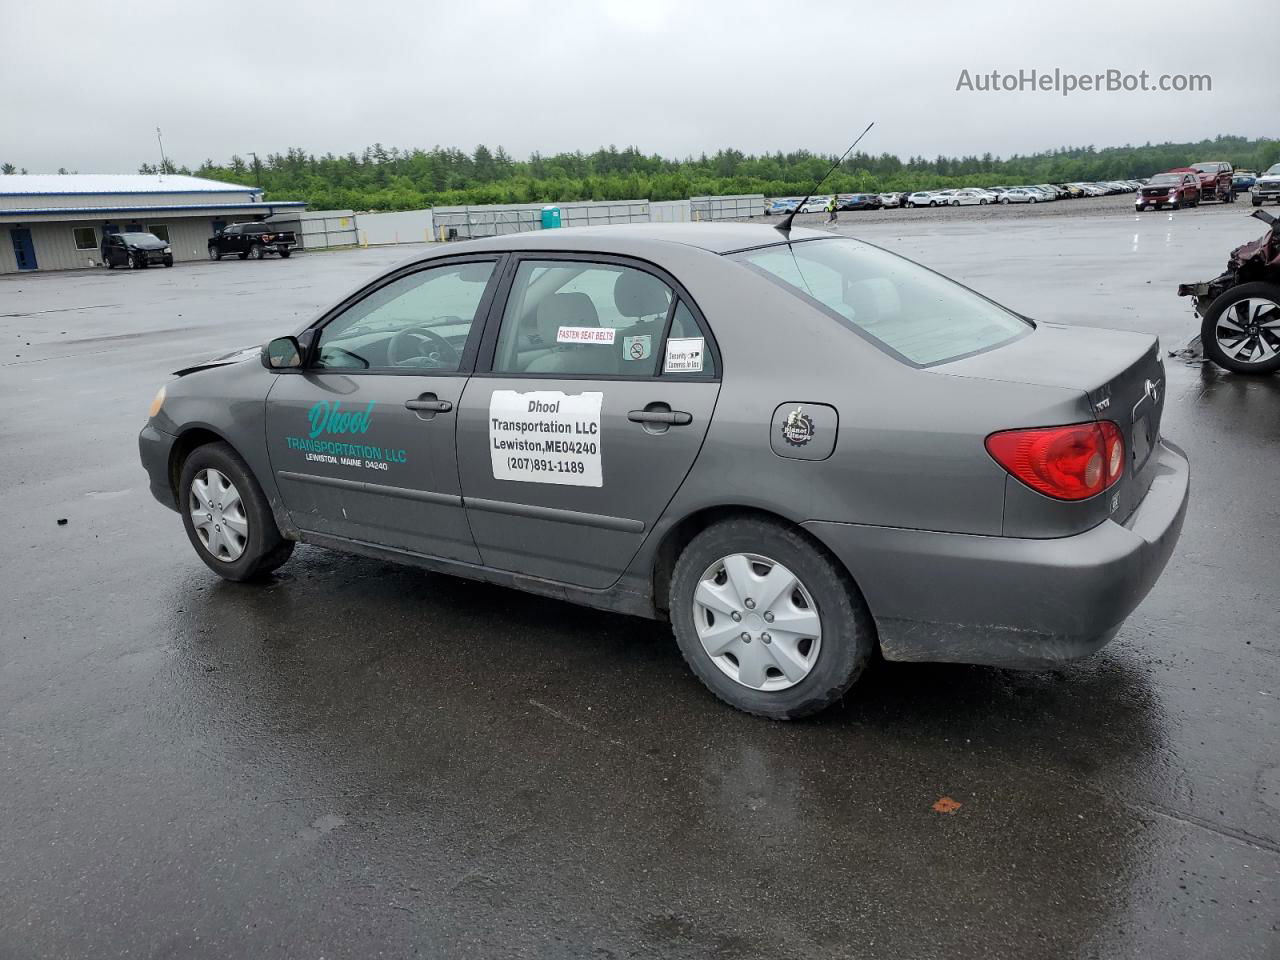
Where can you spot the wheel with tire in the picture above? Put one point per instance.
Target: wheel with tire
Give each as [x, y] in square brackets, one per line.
[983, 202]
[284, 254]
[1176, 205]
[168, 261]
[215, 254]
[255, 252]
[243, 256]
[1031, 200]
[767, 620]
[1257, 202]
[226, 515]
[1241, 329]
[1004, 200]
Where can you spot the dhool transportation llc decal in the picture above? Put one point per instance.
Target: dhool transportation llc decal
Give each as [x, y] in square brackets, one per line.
[327, 418]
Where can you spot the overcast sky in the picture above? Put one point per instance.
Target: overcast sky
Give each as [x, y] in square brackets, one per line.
[85, 84]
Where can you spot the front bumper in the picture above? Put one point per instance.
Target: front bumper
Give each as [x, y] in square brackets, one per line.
[1008, 601]
[154, 448]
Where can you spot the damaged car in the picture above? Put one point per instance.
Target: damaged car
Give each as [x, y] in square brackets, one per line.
[1240, 308]
[801, 451]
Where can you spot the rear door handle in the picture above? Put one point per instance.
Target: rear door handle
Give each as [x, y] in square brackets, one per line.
[671, 418]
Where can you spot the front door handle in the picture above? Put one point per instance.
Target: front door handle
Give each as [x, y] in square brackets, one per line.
[668, 417]
[427, 405]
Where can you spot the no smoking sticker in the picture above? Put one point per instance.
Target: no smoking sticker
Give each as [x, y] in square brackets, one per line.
[637, 348]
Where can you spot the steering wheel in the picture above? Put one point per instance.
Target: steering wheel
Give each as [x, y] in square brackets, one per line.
[414, 345]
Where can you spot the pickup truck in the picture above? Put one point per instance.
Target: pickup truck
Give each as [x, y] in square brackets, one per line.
[251, 241]
[1215, 180]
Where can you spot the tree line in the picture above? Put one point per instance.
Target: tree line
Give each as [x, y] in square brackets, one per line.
[382, 178]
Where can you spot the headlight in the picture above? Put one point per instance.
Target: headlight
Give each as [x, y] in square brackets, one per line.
[168, 249]
[157, 403]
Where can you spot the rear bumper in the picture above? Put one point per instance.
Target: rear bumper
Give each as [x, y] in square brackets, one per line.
[154, 448]
[1008, 601]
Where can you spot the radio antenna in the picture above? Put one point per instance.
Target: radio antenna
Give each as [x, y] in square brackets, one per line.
[784, 227]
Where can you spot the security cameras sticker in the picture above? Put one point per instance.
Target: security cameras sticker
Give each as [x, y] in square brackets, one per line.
[584, 335]
[684, 355]
[798, 428]
[546, 436]
[637, 348]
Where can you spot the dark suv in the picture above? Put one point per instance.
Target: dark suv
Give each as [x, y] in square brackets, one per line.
[251, 241]
[135, 250]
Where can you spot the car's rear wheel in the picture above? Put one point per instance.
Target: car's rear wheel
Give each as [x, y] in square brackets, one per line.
[1004, 199]
[226, 515]
[1176, 205]
[769, 622]
[215, 254]
[285, 254]
[255, 252]
[1241, 329]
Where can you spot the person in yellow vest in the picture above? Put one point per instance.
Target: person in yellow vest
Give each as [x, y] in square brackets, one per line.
[833, 205]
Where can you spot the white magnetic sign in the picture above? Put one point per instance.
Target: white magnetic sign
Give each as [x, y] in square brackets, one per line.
[546, 436]
[684, 355]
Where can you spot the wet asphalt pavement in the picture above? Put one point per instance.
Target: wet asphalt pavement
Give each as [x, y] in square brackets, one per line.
[359, 760]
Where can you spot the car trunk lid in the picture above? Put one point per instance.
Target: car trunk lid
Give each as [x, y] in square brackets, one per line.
[1121, 373]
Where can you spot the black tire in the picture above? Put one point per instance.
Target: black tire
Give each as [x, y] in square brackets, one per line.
[265, 549]
[1257, 202]
[1004, 200]
[255, 252]
[140, 263]
[848, 633]
[168, 261]
[1208, 328]
[112, 266]
[243, 256]
[215, 254]
[1176, 205]
[284, 254]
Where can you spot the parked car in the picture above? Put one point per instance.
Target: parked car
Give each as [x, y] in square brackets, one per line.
[922, 198]
[987, 489]
[860, 201]
[1020, 195]
[815, 205]
[1243, 180]
[968, 198]
[251, 241]
[1172, 190]
[782, 206]
[888, 200]
[135, 250]
[1267, 186]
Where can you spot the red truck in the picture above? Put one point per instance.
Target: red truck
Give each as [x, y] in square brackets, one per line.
[1215, 180]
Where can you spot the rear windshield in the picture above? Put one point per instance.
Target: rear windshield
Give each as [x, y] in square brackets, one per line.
[914, 314]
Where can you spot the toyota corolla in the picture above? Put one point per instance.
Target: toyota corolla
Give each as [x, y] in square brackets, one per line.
[797, 449]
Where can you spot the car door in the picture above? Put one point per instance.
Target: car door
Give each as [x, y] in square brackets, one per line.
[361, 439]
[594, 391]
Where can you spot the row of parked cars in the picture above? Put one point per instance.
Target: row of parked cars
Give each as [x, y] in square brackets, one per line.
[248, 241]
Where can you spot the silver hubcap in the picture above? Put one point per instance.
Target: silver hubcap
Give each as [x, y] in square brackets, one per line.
[218, 515]
[1249, 330]
[757, 622]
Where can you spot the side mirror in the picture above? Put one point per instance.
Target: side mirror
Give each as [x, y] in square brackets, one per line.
[282, 353]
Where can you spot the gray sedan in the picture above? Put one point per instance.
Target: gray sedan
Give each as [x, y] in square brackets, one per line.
[799, 451]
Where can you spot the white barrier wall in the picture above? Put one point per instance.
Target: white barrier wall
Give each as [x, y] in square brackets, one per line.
[464, 223]
[670, 211]
[727, 208]
[405, 226]
[320, 229]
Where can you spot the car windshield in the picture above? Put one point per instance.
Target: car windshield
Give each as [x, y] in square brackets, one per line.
[138, 237]
[1273, 169]
[1165, 178]
[915, 314]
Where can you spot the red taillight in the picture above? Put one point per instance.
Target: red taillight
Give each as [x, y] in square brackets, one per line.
[1068, 463]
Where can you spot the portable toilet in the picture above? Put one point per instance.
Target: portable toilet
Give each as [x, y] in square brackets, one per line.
[550, 217]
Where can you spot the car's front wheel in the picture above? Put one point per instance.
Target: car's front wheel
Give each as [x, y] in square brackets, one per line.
[215, 254]
[1241, 329]
[284, 254]
[767, 620]
[226, 515]
[255, 252]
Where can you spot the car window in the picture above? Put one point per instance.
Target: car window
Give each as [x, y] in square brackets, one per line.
[418, 322]
[577, 318]
[916, 314]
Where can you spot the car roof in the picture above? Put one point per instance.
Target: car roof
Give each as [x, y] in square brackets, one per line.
[721, 237]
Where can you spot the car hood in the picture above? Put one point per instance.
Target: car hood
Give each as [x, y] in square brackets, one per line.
[235, 356]
[153, 244]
